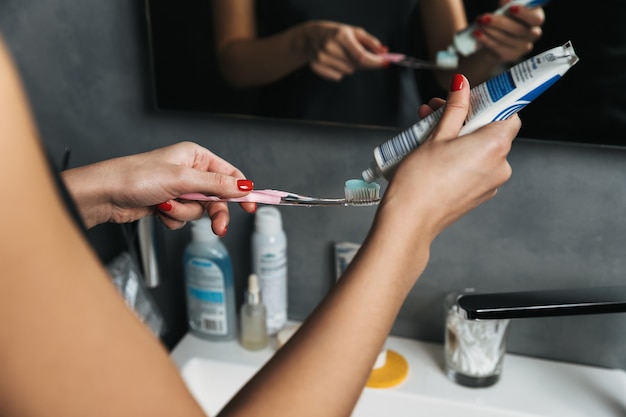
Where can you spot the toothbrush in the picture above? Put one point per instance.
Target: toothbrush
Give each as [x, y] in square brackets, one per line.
[357, 193]
[415, 63]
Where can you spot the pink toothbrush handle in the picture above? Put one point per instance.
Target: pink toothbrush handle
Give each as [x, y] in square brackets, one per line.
[393, 57]
[256, 196]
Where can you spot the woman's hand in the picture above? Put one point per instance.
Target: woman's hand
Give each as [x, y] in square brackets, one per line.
[125, 189]
[332, 50]
[448, 175]
[511, 35]
[336, 49]
[503, 39]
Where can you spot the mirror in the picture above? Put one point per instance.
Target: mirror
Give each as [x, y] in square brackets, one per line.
[588, 105]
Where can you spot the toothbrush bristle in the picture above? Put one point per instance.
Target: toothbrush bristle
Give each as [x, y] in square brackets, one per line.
[447, 59]
[361, 193]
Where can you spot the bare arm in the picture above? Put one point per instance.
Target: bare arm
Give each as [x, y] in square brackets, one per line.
[322, 370]
[69, 346]
[331, 49]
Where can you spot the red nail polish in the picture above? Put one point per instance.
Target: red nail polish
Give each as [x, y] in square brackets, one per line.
[386, 63]
[484, 19]
[166, 206]
[514, 9]
[245, 185]
[458, 81]
[477, 33]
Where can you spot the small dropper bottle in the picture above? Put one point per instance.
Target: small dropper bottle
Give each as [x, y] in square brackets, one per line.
[253, 317]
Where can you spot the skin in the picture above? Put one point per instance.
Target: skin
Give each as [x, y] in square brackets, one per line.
[351, 324]
[503, 39]
[69, 345]
[154, 177]
[334, 50]
[331, 49]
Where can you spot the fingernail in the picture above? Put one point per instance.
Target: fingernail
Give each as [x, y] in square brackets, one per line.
[224, 231]
[514, 9]
[477, 33]
[386, 63]
[245, 185]
[457, 82]
[166, 206]
[485, 19]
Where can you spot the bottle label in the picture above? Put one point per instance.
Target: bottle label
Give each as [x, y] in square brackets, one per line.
[272, 273]
[206, 297]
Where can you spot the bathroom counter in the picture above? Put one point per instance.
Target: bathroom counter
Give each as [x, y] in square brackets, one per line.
[528, 386]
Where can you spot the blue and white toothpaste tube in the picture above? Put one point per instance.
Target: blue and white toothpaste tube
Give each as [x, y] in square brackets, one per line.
[464, 42]
[496, 99]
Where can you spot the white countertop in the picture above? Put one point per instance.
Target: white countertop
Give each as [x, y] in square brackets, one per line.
[527, 385]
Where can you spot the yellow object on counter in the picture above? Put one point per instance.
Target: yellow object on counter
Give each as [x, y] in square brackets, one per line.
[392, 373]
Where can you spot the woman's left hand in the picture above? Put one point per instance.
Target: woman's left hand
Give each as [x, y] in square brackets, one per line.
[125, 189]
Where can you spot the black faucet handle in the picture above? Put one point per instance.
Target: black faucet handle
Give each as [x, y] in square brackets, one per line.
[545, 303]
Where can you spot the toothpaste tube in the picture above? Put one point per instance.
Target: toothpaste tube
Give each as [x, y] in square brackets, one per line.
[465, 43]
[495, 99]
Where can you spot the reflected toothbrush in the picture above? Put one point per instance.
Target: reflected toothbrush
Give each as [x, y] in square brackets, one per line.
[416, 63]
[357, 193]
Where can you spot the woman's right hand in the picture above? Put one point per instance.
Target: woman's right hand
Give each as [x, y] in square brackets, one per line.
[448, 175]
[336, 49]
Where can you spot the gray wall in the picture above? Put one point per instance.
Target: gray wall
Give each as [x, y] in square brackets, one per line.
[559, 222]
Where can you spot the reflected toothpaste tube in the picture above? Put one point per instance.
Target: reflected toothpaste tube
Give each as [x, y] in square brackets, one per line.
[465, 42]
[496, 99]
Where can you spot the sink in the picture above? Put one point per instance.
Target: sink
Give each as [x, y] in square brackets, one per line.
[213, 383]
[373, 403]
[529, 387]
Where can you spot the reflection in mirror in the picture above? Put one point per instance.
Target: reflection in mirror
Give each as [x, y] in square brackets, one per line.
[187, 75]
[587, 105]
[306, 68]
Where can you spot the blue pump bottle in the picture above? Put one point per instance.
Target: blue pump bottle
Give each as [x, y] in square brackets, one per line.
[209, 285]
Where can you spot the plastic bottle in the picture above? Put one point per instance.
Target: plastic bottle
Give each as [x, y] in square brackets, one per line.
[253, 331]
[269, 263]
[209, 285]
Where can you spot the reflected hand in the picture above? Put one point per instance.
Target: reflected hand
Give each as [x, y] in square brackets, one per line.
[511, 35]
[128, 188]
[337, 49]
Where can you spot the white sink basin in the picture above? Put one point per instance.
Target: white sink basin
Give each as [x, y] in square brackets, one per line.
[214, 371]
[213, 383]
